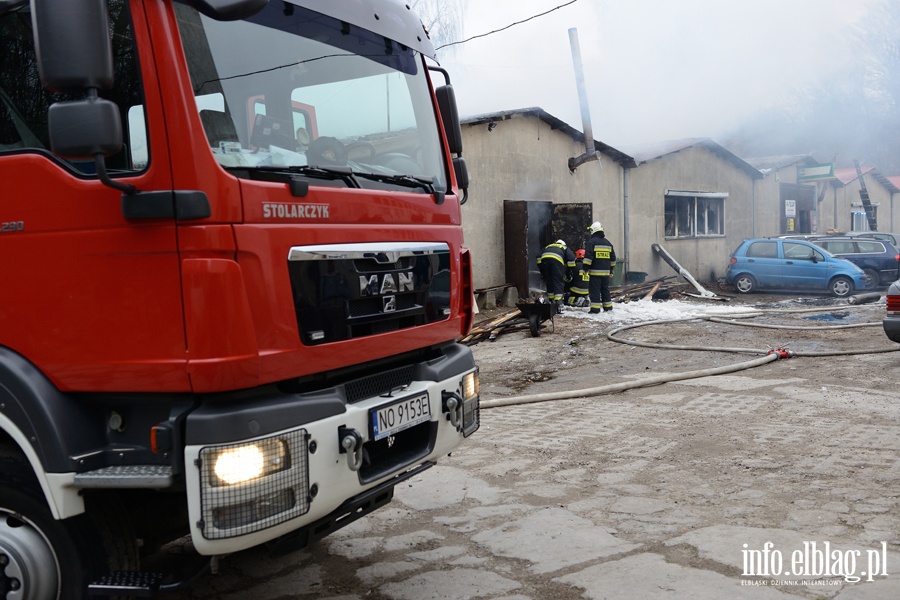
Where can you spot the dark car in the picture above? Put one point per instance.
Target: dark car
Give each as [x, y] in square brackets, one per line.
[892, 238]
[773, 263]
[891, 321]
[877, 257]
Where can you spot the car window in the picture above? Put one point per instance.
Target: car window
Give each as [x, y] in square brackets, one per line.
[802, 251]
[763, 250]
[839, 247]
[870, 247]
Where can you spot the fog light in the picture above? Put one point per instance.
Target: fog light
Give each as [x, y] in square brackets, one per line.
[253, 510]
[239, 464]
[471, 386]
[471, 413]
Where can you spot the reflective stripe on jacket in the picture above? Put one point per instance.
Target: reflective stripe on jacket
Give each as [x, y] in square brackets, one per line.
[599, 256]
[559, 253]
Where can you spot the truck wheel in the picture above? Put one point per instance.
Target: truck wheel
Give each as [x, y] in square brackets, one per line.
[41, 557]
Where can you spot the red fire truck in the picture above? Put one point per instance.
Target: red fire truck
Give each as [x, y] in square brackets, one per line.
[233, 279]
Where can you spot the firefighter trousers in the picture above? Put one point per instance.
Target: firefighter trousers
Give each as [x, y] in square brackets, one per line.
[599, 293]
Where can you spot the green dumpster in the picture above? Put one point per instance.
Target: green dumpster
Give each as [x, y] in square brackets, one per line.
[635, 277]
[617, 273]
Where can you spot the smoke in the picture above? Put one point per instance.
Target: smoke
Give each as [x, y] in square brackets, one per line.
[443, 19]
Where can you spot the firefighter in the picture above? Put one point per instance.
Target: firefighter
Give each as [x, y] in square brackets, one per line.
[599, 263]
[578, 287]
[554, 264]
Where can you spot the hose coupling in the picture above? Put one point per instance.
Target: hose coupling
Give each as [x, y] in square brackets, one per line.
[781, 352]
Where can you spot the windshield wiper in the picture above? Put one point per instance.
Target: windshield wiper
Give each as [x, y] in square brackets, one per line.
[337, 173]
[429, 185]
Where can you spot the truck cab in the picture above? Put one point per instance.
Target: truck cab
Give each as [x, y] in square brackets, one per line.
[236, 277]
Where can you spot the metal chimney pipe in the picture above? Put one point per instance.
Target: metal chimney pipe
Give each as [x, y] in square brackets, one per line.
[590, 151]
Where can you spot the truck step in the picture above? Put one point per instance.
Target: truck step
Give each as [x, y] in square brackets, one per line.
[148, 584]
[128, 476]
[133, 583]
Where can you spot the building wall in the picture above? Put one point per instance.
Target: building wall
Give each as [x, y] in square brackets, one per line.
[524, 159]
[767, 198]
[845, 199]
[692, 169]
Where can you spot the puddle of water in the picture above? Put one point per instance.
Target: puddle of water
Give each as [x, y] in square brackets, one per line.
[835, 317]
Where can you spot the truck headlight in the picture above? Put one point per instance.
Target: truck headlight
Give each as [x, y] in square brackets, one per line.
[234, 465]
[250, 486]
[471, 391]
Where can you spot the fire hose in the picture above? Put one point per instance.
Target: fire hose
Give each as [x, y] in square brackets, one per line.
[769, 355]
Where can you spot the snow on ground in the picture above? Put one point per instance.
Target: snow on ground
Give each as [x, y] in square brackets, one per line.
[626, 313]
[644, 310]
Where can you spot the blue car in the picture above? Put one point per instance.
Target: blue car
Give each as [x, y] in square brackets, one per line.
[796, 265]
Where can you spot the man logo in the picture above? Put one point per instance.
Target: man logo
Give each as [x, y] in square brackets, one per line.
[389, 304]
[377, 285]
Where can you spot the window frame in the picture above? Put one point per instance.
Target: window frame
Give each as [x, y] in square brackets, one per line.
[693, 215]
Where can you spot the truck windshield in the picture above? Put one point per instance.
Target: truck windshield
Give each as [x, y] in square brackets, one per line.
[296, 90]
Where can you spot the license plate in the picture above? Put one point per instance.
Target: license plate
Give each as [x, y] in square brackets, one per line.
[388, 419]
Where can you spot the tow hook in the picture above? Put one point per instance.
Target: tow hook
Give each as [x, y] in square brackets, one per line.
[781, 352]
[451, 404]
[351, 444]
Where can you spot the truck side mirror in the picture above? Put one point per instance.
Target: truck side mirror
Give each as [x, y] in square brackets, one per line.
[85, 128]
[74, 53]
[72, 43]
[446, 99]
[462, 172]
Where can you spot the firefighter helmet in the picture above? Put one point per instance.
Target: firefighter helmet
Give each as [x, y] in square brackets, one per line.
[579, 253]
[595, 227]
[561, 243]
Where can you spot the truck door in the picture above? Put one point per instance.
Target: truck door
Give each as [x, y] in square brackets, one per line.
[107, 289]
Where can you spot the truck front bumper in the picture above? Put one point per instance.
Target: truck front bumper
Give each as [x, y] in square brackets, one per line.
[245, 492]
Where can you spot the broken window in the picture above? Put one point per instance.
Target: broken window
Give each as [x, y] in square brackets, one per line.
[694, 214]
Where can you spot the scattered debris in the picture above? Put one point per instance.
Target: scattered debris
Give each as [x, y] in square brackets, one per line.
[658, 289]
[492, 328]
[704, 293]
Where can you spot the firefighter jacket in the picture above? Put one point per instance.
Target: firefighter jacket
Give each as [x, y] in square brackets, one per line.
[557, 253]
[580, 280]
[599, 256]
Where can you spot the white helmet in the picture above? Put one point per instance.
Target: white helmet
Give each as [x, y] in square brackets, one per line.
[595, 227]
[561, 243]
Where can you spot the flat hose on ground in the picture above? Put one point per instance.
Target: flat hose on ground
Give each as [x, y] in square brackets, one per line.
[768, 356]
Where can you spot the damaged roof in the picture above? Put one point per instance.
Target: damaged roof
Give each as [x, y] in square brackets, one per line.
[656, 151]
[768, 164]
[847, 175]
[618, 156]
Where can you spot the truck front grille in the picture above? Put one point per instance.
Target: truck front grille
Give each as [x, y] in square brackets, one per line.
[347, 291]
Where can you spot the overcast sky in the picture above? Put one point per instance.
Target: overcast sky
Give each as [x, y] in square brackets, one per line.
[654, 69]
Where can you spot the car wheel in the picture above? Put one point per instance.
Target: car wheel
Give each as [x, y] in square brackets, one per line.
[745, 283]
[841, 286]
[872, 278]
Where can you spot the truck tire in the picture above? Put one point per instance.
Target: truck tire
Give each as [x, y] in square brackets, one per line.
[40, 556]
